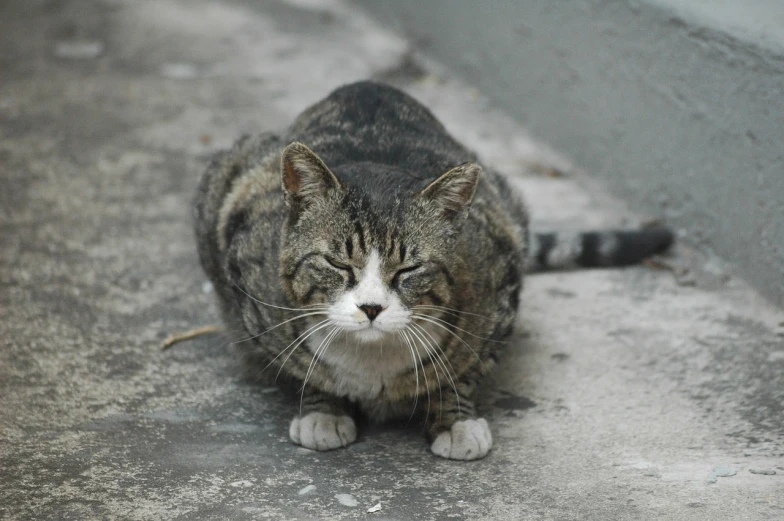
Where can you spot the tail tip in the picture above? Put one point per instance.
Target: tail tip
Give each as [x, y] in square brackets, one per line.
[662, 238]
[636, 246]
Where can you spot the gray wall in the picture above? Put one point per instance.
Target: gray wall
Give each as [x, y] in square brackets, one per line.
[678, 106]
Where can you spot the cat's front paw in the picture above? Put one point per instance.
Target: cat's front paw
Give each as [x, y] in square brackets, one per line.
[323, 431]
[466, 440]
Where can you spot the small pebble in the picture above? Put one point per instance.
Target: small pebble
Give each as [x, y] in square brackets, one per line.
[764, 472]
[724, 472]
[306, 490]
[346, 500]
[76, 50]
[721, 472]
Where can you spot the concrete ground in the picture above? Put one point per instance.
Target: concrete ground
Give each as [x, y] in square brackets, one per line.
[628, 394]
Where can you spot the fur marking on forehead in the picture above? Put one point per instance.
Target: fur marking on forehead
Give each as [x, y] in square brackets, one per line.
[371, 288]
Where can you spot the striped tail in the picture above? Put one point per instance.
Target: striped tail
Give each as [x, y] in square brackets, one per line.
[560, 251]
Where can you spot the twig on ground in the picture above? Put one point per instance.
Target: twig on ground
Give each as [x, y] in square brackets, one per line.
[176, 338]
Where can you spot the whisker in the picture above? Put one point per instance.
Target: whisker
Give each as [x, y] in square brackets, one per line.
[327, 339]
[310, 307]
[280, 324]
[419, 315]
[433, 343]
[300, 339]
[416, 374]
[442, 326]
[427, 382]
[301, 335]
[439, 359]
[445, 312]
[424, 372]
[325, 342]
[442, 308]
[286, 349]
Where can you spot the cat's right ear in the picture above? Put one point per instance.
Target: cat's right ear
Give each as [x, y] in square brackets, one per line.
[453, 192]
[305, 176]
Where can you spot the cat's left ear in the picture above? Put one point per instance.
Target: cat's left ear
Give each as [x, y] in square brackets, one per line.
[305, 176]
[454, 191]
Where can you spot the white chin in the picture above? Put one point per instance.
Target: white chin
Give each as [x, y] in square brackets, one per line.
[370, 334]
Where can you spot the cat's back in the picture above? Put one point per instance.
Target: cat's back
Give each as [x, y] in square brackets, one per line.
[369, 122]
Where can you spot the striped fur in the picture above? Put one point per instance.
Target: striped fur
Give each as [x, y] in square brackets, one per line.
[559, 250]
[366, 261]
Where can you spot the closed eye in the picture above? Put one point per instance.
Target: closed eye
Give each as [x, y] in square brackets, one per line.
[337, 264]
[403, 271]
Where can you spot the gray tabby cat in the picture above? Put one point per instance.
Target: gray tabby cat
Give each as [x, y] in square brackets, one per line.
[365, 259]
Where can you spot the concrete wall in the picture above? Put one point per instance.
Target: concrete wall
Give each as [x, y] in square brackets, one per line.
[677, 105]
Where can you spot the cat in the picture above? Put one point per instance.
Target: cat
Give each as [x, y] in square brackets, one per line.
[367, 261]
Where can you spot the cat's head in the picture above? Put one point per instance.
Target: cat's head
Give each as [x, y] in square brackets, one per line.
[372, 251]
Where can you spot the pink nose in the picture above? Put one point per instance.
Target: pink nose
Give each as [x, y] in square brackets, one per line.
[371, 310]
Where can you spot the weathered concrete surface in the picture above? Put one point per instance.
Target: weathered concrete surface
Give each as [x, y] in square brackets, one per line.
[757, 22]
[624, 394]
[676, 104]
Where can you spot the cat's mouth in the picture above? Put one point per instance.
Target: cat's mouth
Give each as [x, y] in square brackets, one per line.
[370, 334]
[369, 325]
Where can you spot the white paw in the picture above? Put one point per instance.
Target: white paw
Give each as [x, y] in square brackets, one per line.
[466, 440]
[323, 431]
